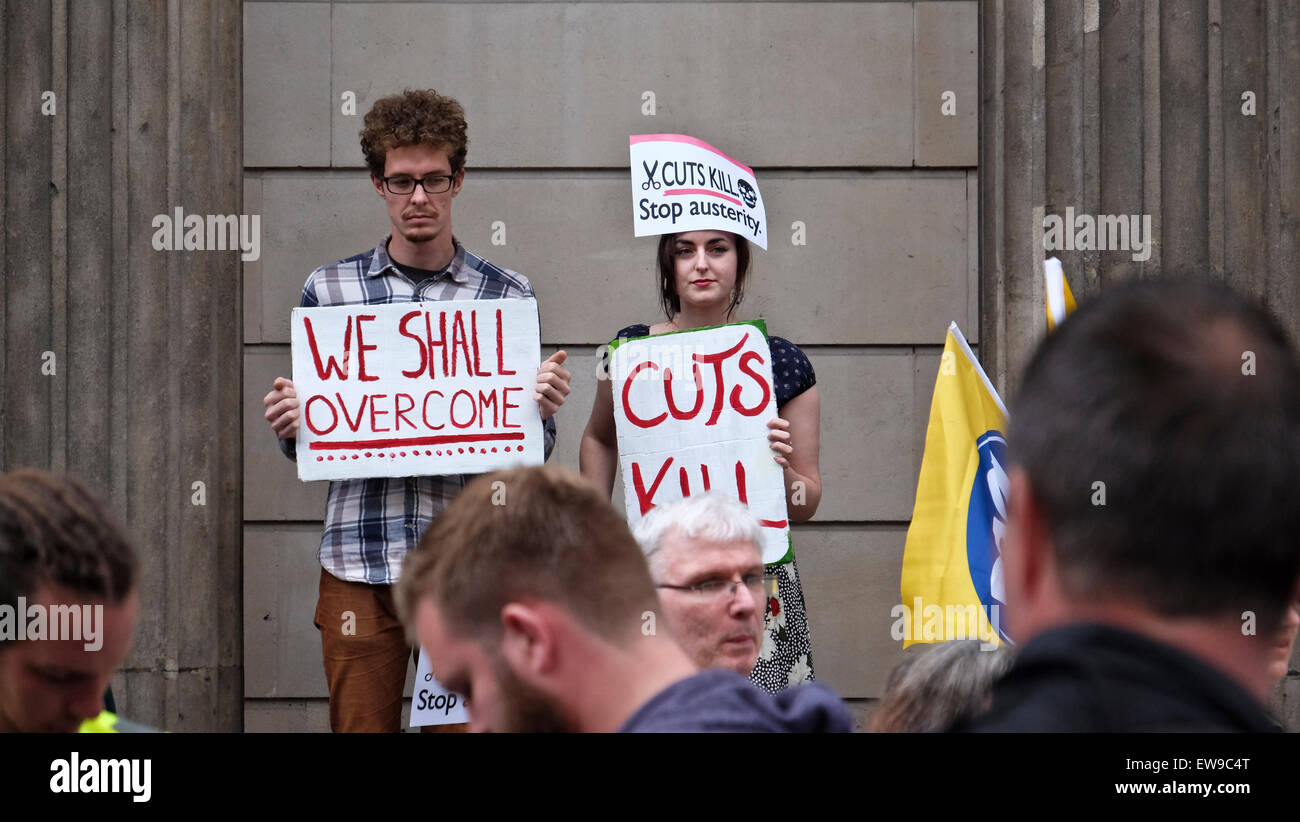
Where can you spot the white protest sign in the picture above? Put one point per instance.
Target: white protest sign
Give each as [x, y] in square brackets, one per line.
[691, 410]
[416, 389]
[433, 704]
[680, 184]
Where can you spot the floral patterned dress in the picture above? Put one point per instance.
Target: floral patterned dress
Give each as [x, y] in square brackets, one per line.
[785, 657]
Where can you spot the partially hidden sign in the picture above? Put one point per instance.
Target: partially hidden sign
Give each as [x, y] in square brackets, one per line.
[416, 389]
[680, 184]
[431, 703]
[691, 410]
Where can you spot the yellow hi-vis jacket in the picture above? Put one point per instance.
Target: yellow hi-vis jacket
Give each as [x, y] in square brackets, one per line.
[109, 723]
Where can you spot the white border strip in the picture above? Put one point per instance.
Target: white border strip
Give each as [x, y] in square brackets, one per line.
[965, 347]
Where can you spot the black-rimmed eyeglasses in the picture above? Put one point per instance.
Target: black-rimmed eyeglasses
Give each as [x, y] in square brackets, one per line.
[431, 183]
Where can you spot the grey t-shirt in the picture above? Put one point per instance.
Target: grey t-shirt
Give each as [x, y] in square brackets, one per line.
[717, 701]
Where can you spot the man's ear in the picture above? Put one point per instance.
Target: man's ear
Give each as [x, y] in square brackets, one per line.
[378, 183]
[458, 182]
[528, 639]
[1027, 552]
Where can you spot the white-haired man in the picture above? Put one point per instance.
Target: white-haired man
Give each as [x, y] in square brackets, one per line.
[705, 560]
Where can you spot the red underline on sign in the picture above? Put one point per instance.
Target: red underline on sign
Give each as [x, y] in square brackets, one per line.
[772, 523]
[394, 443]
[671, 191]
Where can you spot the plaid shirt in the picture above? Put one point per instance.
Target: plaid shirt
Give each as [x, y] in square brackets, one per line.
[370, 524]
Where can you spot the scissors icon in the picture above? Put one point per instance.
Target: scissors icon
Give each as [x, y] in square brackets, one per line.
[649, 184]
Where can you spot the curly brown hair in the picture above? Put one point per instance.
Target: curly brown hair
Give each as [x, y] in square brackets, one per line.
[414, 117]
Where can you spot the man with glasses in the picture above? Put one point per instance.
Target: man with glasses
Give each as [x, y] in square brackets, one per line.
[706, 563]
[541, 612]
[414, 145]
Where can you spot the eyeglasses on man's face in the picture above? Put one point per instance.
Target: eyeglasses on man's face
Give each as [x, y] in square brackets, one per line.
[431, 183]
[760, 586]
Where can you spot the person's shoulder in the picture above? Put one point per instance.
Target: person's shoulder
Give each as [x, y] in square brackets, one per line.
[791, 368]
[633, 331]
[359, 262]
[708, 701]
[781, 347]
[512, 282]
[1041, 705]
[718, 701]
[329, 278]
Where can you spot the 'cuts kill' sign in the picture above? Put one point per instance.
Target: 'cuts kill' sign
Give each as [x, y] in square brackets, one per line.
[691, 410]
[416, 389]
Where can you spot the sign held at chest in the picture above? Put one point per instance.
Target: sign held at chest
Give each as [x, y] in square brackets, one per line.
[416, 389]
[691, 411]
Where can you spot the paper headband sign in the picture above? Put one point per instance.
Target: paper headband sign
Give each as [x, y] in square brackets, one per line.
[680, 183]
[691, 410]
[416, 389]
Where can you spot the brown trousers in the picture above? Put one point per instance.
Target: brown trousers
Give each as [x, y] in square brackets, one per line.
[365, 670]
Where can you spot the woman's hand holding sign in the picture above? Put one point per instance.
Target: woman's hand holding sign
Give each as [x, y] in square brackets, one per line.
[779, 438]
[800, 422]
[552, 384]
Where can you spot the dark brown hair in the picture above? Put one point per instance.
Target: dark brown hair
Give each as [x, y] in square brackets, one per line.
[537, 533]
[668, 273]
[1178, 401]
[413, 118]
[53, 531]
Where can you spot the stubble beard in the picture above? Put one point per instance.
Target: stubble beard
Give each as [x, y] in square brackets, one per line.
[527, 709]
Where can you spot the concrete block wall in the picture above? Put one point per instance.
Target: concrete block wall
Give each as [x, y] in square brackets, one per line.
[837, 106]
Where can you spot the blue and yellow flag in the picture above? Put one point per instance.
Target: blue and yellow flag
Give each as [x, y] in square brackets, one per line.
[952, 569]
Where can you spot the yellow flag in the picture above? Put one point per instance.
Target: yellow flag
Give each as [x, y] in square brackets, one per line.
[1060, 302]
[952, 570]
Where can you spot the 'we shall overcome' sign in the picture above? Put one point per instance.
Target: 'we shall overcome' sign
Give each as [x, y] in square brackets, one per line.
[691, 410]
[416, 389]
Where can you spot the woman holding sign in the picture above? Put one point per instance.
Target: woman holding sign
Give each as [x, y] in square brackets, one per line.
[701, 282]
